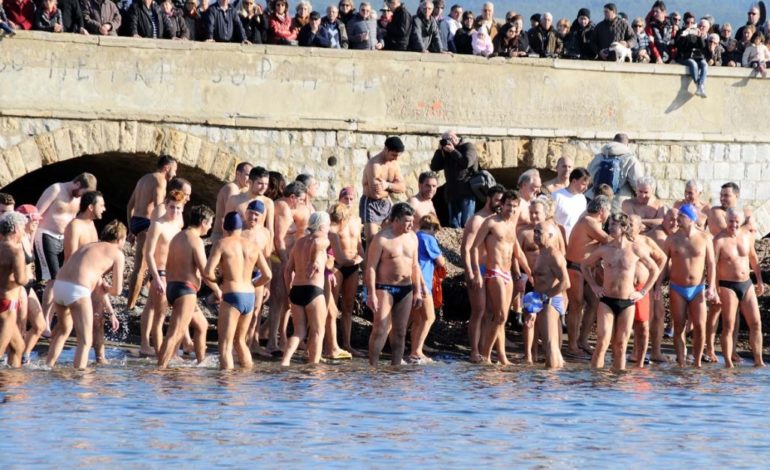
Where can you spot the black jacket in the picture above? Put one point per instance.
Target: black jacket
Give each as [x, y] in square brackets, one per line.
[690, 46]
[463, 44]
[140, 22]
[607, 32]
[399, 30]
[255, 28]
[458, 167]
[71, 15]
[578, 42]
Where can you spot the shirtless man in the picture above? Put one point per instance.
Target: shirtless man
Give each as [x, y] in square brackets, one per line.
[291, 217]
[259, 178]
[692, 193]
[564, 167]
[617, 295]
[691, 251]
[645, 204]
[643, 307]
[478, 297]
[531, 249]
[13, 276]
[736, 256]
[186, 260]
[529, 188]
[236, 257]
[148, 193]
[80, 276]
[498, 237]
[311, 188]
[422, 202]
[58, 206]
[305, 274]
[393, 282]
[551, 279]
[586, 236]
[254, 230]
[240, 184]
[659, 234]
[717, 222]
[159, 236]
[382, 176]
[345, 239]
[82, 231]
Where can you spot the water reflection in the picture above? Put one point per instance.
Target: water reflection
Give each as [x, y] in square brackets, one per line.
[446, 414]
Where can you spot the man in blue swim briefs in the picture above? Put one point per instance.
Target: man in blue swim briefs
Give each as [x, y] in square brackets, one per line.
[617, 294]
[236, 258]
[736, 257]
[691, 251]
[477, 297]
[498, 237]
[394, 283]
[550, 281]
[148, 193]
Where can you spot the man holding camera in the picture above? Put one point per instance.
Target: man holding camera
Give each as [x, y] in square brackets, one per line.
[459, 161]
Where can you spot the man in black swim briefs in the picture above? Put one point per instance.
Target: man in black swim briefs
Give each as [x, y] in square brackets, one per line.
[393, 282]
[617, 295]
[736, 256]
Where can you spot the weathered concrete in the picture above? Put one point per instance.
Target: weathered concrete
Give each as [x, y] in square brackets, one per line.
[292, 109]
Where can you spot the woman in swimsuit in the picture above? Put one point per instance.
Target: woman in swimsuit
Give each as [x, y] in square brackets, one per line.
[30, 309]
[308, 306]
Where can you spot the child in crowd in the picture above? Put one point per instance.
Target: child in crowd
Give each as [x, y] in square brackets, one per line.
[481, 42]
[5, 25]
[429, 257]
[757, 54]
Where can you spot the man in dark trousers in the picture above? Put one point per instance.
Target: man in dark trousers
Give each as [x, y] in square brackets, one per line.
[458, 159]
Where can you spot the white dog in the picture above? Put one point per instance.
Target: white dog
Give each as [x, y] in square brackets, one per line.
[622, 53]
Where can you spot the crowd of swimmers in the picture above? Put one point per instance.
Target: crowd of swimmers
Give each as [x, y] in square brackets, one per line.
[602, 269]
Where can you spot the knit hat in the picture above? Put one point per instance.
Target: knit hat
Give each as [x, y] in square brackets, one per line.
[584, 12]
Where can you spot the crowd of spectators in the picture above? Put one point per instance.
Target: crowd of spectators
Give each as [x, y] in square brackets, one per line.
[661, 37]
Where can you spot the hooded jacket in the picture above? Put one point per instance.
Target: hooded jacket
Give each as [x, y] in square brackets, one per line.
[630, 168]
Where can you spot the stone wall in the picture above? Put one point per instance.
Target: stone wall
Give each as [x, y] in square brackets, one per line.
[324, 112]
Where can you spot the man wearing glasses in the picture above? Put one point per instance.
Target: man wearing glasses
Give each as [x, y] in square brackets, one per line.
[752, 18]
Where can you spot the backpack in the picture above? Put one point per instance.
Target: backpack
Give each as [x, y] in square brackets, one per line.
[480, 182]
[608, 173]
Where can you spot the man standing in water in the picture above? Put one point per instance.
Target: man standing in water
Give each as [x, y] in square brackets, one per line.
[236, 257]
[186, 260]
[498, 237]
[80, 276]
[736, 256]
[586, 236]
[550, 281]
[394, 283]
[382, 176]
[477, 297]
[690, 251]
[659, 234]
[239, 185]
[58, 206]
[148, 193]
[617, 295]
[159, 236]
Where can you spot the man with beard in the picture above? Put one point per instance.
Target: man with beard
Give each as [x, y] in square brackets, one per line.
[422, 202]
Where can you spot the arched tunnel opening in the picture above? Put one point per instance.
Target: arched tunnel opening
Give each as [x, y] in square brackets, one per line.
[116, 175]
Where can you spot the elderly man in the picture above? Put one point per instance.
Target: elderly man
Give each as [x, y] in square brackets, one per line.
[543, 40]
[612, 29]
[362, 29]
[458, 159]
[752, 19]
[617, 167]
[692, 193]
[399, 28]
[645, 204]
[425, 35]
[335, 28]
[529, 188]
[487, 20]
[101, 17]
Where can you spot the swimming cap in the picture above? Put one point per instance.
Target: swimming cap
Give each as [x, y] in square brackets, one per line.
[690, 211]
[347, 190]
[256, 206]
[233, 221]
[533, 302]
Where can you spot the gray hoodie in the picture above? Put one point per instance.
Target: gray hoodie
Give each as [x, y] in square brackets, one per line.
[630, 168]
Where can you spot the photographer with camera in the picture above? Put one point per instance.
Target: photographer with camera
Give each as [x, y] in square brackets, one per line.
[459, 161]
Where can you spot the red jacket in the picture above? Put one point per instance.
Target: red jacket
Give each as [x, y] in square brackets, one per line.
[280, 30]
[20, 12]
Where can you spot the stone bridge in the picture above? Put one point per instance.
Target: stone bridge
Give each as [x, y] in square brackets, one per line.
[110, 105]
